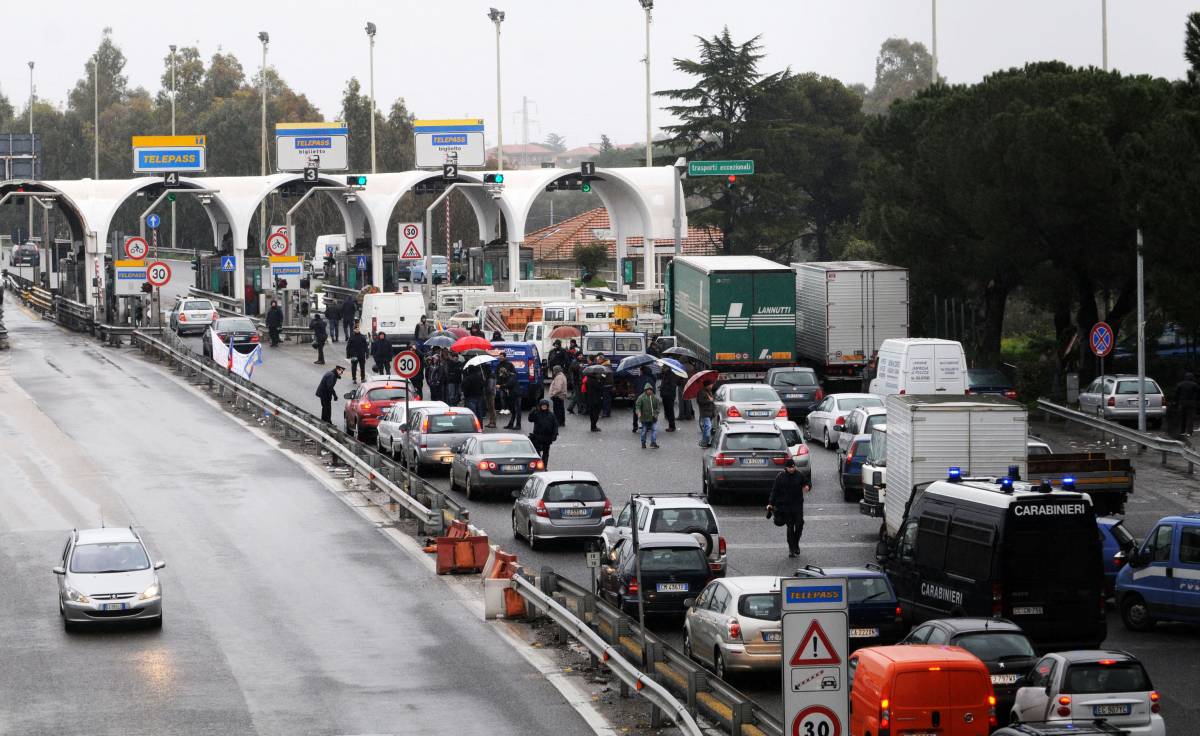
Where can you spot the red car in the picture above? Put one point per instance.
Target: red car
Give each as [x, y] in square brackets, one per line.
[368, 402]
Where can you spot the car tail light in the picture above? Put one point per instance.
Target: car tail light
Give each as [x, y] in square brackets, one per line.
[1119, 560]
[1154, 704]
[541, 509]
[903, 391]
[537, 465]
[819, 395]
[803, 450]
[997, 599]
[531, 367]
[224, 338]
[425, 425]
[780, 460]
[782, 412]
[365, 405]
[182, 317]
[1112, 401]
[607, 508]
[632, 587]
[885, 716]
[721, 546]
[1107, 662]
[720, 459]
[935, 668]
[486, 465]
[968, 392]
[839, 422]
[734, 629]
[899, 614]
[1010, 394]
[1164, 402]
[1064, 705]
[850, 451]
[992, 711]
[732, 412]
[254, 337]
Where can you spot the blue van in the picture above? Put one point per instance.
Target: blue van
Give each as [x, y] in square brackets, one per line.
[1162, 580]
[525, 358]
[1117, 544]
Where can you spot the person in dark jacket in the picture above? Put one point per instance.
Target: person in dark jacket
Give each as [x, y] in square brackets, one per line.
[317, 325]
[667, 386]
[1187, 394]
[381, 352]
[349, 310]
[327, 392]
[506, 376]
[333, 312]
[357, 350]
[420, 333]
[274, 323]
[557, 356]
[496, 336]
[435, 375]
[706, 412]
[454, 371]
[545, 430]
[787, 502]
[593, 392]
[473, 385]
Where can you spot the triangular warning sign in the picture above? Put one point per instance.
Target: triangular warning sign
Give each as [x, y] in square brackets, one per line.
[815, 648]
[411, 250]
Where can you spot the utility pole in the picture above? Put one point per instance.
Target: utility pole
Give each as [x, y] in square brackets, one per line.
[497, 17]
[1104, 33]
[32, 151]
[173, 133]
[371, 36]
[648, 6]
[96, 113]
[935, 72]
[265, 38]
[1141, 337]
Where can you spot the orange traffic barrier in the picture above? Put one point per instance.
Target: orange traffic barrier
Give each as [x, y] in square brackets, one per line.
[502, 567]
[457, 552]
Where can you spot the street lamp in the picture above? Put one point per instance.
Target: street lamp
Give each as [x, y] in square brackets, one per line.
[371, 36]
[265, 38]
[96, 113]
[32, 159]
[934, 54]
[648, 5]
[172, 47]
[497, 17]
[1104, 34]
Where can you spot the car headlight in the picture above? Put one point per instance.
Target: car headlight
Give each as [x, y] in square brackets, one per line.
[152, 592]
[76, 596]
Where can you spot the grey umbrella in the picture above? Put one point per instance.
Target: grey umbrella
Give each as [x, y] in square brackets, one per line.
[596, 370]
[680, 352]
[440, 341]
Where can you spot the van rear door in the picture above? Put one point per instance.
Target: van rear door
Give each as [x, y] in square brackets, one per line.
[919, 701]
[918, 370]
[949, 372]
[969, 709]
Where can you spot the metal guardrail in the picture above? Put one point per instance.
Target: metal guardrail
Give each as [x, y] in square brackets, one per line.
[1142, 439]
[226, 305]
[74, 315]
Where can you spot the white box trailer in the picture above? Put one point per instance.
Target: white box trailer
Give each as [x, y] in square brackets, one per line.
[928, 435]
[546, 288]
[844, 312]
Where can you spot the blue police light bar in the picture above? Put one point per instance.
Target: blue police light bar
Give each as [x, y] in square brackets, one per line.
[1006, 485]
[955, 474]
[1068, 483]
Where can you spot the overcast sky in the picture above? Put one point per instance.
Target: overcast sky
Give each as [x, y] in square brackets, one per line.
[579, 62]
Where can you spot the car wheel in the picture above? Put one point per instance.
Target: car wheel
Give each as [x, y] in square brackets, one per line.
[156, 623]
[516, 532]
[718, 663]
[468, 490]
[687, 643]
[68, 626]
[712, 494]
[848, 494]
[825, 439]
[529, 537]
[1136, 614]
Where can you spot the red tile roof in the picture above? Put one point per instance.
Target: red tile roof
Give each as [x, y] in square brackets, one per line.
[557, 242]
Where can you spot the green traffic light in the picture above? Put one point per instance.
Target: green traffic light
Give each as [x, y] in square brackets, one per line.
[170, 196]
[587, 187]
[362, 181]
[499, 178]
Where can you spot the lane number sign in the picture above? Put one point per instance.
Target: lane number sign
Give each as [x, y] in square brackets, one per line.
[158, 274]
[136, 248]
[406, 364]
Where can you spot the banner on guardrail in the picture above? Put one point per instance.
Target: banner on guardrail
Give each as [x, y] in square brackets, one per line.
[241, 364]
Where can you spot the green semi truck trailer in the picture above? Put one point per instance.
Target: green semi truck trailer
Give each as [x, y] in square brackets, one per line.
[737, 313]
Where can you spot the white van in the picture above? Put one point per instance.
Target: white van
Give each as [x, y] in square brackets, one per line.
[920, 366]
[326, 247]
[395, 315]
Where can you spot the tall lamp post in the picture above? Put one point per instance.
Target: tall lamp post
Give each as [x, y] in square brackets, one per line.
[265, 38]
[172, 133]
[96, 114]
[371, 36]
[934, 49]
[32, 160]
[497, 17]
[1104, 33]
[648, 6]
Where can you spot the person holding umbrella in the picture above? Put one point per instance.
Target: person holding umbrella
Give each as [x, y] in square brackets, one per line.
[592, 385]
[506, 376]
[668, 384]
[545, 430]
[473, 384]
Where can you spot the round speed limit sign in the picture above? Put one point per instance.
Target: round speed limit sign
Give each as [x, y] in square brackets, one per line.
[410, 231]
[406, 364]
[816, 720]
[158, 274]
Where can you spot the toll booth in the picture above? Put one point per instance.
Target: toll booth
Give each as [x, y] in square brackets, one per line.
[352, 269]
[487, 265]
[210, 277]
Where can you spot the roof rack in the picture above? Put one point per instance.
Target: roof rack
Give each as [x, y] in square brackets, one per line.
[651, 496]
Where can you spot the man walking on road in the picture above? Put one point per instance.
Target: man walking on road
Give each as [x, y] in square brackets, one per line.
[349, 310]
[327, 392]
[706, 410]
[274, 323]
[332, 313]
[1187, 394]
[647, 408]
[357, 350]
[420, 332]
[545, 430]
[645, 377]
[381, 351]
[558, 394]
[507, 378]
[667, 386]
[317, 325]
[787, 502]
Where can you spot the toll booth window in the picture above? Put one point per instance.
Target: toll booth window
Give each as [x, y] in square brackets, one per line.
[931, 540]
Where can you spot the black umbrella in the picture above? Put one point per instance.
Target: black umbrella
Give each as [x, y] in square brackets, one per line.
[596, 370]
[680, 352]
[633, 362]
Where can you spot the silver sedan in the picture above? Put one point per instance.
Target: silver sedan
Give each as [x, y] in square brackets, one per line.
[493, 462]
[560, 504]
[748, 401]
[828, 418]
[432, 434]
[1116, 398]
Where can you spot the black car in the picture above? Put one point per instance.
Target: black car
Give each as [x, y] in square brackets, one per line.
[989, 381]
[999, 643]
[798, 389]
[674, 570]
[240, 330]
[25, 254]
[874, 611]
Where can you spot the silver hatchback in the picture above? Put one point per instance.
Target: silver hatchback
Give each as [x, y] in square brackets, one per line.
[1116, 398]
[748, 401]
[433, 434]
[745, 456]
[106, 575]
[559, 504]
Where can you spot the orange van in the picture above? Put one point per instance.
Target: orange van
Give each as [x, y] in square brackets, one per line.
[920, 690]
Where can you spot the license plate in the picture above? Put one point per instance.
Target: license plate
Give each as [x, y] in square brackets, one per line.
[1027, 610]
[796, 396]
[772, 636]
[512, 468]
[576, 512]
[1111, 710]
[1005, 679]
[754, 461]
[863, 633]
[114, 606]
[672, 587]
[759, 413]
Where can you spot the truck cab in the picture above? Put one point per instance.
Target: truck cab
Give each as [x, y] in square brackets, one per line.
[1162, 580]
[874, 474]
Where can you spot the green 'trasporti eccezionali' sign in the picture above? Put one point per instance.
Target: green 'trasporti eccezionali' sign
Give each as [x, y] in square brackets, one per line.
[720, 168]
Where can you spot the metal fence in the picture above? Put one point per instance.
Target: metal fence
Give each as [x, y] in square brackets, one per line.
[1143, 440]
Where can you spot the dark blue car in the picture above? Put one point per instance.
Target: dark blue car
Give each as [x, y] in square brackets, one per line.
[875, 618]
[525, 358]
[1114, 538]
[850, 467]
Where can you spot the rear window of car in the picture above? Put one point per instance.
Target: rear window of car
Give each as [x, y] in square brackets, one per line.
[794, 378]
[990, 646]
[520, 446]
[986, 377]
[387, 394]
[450, 423]
[853, 402]
[872, 422]
[754, 441]
[198, 305]
[235, 325]
[1131, 387]
[753, 393]
[1122, 535]
[865, 590]
[666, 559]
[792, 437]
[683, 520]
[573, 491]
[762, 606]
[1086, 678]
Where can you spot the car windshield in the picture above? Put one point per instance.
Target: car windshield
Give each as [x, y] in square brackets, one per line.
[864, 590]
[109, 557]
[754, 441]
[235, 325]
[684, 520]
[763, 606]
[792, 437]
[573, 491]
[450, 423]
[753, 393]
[674, 559]
[198, 306]
[991, 646]
[1038, 450]
[1106, 676]
[853, 402]
[986, 377]
[1131, 387]
[520, 446]
[794, 378]
[390, 393]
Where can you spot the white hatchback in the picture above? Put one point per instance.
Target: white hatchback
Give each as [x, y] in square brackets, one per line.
[1089, 685]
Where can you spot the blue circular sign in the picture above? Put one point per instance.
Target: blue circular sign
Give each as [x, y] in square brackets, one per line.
[153, 221]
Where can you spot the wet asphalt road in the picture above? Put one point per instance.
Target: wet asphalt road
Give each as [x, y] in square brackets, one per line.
[285, 611]
[835, 533]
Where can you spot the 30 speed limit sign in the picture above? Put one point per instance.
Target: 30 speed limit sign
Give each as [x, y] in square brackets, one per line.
[411, 230]
[158, 274]
[816, 720]
[406, 364]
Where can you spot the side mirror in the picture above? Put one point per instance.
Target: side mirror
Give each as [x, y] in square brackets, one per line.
[348, 395]
[610, 521]
[689, 602]
[882, 551]
[59, 570]
[160, 564]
